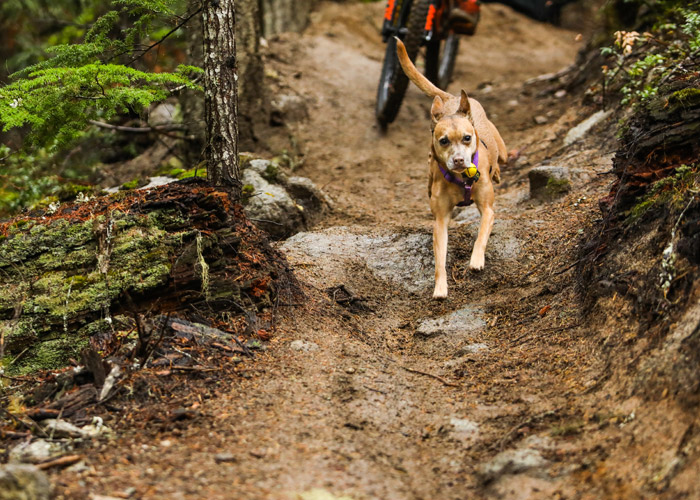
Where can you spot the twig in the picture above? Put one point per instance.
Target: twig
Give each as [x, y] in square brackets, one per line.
[193, 368]
[528, 421]
[60, 462]
[436, 377]
[137, 130]
[155, 44]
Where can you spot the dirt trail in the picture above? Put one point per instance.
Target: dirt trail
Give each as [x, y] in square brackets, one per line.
[369, 402]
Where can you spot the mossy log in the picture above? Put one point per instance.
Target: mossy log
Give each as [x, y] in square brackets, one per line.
[661, 137]
[66, 276]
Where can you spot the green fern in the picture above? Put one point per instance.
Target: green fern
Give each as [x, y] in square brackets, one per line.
[58, 97]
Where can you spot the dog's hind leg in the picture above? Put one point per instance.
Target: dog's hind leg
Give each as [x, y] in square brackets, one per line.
[442, 220]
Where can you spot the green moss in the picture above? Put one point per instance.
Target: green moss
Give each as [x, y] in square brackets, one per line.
[671, 191]
[248, 190]
[271, 172]
[52, 271]
[198, 171]
[557, 187]
[133, 184]
[52, 354]
[686, 97]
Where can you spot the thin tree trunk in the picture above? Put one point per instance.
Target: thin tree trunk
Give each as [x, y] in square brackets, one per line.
[221, 94]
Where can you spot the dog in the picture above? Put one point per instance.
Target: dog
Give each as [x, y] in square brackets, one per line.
[462, 138]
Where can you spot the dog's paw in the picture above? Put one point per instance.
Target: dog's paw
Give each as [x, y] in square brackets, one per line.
[440, 292]
[476, 263]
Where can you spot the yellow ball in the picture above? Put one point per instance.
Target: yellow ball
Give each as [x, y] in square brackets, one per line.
[471, 170]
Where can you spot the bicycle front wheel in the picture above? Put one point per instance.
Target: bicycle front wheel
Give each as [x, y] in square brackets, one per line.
[392, 81]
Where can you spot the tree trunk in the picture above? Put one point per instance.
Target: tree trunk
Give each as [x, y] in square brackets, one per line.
[221, 94]
[279, 16]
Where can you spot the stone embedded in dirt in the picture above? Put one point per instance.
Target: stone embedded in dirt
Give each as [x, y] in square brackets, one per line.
[549, 182]
[465, 430]
[512, 462]
[405, 260]
[502, 244]
[464, 321]
[473, 348]
[580, 130]
[288, 108]
[309, 196]
[270, 207]
[279, 204]
[37, 451]
[540, 120]
[304, 346]
[23, 482]
[225, 458]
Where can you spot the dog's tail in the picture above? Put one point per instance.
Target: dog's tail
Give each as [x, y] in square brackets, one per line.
[415, 76]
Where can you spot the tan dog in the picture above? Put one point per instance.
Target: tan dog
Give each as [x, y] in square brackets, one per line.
[462, 135]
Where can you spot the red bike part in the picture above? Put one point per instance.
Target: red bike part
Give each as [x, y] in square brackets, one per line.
[389, 10]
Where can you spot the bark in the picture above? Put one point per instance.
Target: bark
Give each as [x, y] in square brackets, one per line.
[279, 16]
[221, 94]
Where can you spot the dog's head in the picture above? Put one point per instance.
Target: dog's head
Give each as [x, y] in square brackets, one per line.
[454, 137]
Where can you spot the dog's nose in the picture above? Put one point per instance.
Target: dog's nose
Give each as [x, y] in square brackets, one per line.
[458, 162]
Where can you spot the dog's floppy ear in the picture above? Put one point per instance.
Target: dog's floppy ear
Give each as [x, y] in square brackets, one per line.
[464, 106]
[437, 111]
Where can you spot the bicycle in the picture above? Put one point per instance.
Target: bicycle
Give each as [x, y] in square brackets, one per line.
[435, 24]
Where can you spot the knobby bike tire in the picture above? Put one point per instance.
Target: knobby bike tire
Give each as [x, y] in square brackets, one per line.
[440, 58]
[393, 82]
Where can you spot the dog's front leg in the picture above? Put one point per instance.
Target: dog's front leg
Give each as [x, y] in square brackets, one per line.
[477, 260]
[442, 220]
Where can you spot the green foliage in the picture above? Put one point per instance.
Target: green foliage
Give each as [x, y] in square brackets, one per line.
[84, 81]
[642, 63]
[74, 62]
[58, 103]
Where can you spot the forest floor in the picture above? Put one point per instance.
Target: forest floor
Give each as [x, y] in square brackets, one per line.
[362, 399]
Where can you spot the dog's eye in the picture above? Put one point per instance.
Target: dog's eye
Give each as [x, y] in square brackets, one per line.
[444, 141]
[467, 138]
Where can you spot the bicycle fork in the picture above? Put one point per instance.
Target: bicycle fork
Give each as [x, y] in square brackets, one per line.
[396, 15]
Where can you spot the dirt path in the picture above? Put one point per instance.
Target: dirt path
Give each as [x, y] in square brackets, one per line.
[396, 396]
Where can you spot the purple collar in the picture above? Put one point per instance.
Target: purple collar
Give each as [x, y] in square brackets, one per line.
[465, 185]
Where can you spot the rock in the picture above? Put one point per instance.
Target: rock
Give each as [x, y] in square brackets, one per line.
[288, 108]
[61, 429]
[303, 346]
[549, 182]
[23, 482]
[464, 430]
[162, 114]
[502, 243]
[36, 451]
[220, 458]
[157, 181]
[279, 204]
[270, 207]
[306, 194]
[464, 321]
[473, 348]
[512, 462]
[561, 93]
[540, 120]
[405, 259]
[582, 128]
